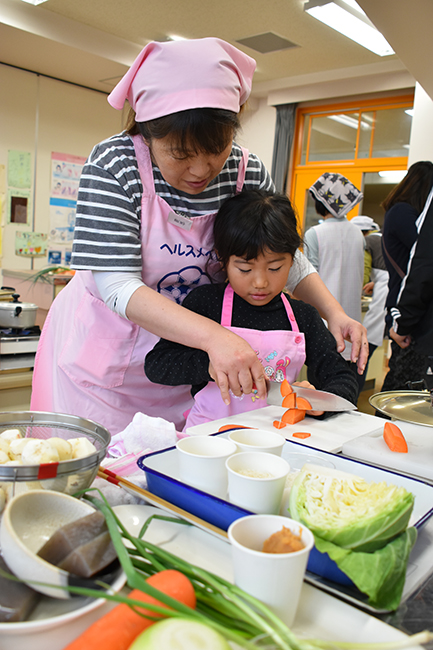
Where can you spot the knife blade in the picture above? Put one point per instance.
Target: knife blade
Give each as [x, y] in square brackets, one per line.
[320, 400]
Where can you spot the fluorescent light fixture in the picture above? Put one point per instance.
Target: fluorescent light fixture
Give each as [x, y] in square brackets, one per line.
[34, 2]
[349, 121]
[174, 37]
[346, 17]
[393, 175]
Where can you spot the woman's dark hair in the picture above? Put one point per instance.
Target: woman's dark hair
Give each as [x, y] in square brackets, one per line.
[252, 222]
[414, 188]
[198, 130]
[320, 208]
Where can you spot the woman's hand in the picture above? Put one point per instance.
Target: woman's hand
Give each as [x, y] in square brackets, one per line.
[344, 328]
[367, 289]
[306, 384]
[234, 366]
[402, 341]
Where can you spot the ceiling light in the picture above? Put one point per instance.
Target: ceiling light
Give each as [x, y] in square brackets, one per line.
[34, 2]
[346, 17]
[393, 175]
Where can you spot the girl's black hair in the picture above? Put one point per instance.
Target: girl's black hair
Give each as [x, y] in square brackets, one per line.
[254, 221]
[321, 209]
[197, 130]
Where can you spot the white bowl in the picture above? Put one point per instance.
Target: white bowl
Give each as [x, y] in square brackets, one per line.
[258, 440]
[256, 481]
[28, 522]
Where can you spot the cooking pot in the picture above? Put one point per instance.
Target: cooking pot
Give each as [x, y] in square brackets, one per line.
[17, 314]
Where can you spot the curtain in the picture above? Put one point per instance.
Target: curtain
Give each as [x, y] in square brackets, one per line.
[284, 132]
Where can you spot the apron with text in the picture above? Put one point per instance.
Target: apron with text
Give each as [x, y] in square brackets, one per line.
[281, 352]
[90, 361]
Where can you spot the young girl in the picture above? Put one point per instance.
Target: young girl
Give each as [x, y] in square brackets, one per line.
[256, 238]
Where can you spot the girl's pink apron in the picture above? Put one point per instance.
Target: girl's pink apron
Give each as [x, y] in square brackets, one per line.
[282, 353]
[90, 361]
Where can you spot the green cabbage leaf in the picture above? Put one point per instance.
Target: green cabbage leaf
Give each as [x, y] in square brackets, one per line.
[347, 510]
[381, 574]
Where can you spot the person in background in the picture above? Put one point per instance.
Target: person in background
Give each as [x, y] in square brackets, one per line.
[335, 247]
[403, 207]
[375, 284]
[413, 313]
[146, 205]
[256, 239]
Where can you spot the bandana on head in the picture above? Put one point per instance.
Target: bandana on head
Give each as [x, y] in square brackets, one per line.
[175, 76]
[337, 194]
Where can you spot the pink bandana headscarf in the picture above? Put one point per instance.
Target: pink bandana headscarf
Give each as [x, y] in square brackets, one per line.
[175, 76]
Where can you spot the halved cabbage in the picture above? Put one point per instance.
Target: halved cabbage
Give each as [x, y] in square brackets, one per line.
[347, 510]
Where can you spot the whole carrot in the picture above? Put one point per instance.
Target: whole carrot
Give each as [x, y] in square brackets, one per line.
[117, 629]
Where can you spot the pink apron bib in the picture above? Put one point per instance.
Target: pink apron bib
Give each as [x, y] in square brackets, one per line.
[94, 368]
[281, 352]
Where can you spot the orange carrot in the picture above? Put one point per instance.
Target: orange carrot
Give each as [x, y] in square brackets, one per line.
[301, 434]
[117, 629]
[394, 438]
[289, 401]
[285, 388]
[278, 424]
[303, 404]
[292, 416]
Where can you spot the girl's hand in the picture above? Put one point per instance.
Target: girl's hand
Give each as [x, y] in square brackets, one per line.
[306, 384]
[234, 365]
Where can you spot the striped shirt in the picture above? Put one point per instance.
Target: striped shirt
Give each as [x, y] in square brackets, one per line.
[108, 217]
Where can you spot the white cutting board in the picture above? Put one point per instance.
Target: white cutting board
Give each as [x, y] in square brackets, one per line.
[418, 461]
[328, 435]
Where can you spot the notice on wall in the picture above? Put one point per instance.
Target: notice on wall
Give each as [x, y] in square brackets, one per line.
[31, 244]
[65, 176]
[19, 169]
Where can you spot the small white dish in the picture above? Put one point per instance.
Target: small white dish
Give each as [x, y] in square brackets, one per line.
[256, 481]
[202, 462]
[258, 440]
[29, 520]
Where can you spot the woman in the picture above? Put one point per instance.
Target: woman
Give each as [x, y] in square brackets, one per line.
[403, 206]
[143, 236]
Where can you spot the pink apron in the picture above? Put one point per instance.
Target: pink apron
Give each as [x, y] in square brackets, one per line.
[90, 361]
[281, 352]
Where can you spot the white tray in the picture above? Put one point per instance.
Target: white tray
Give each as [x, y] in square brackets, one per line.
[319, 614]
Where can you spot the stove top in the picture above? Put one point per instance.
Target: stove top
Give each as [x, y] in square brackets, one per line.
[19, 332]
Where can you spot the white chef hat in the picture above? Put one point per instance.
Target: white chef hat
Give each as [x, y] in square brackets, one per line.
[365, 223]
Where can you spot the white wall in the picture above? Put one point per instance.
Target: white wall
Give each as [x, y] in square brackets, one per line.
[421, 136]
[41, 115]
[258, 130]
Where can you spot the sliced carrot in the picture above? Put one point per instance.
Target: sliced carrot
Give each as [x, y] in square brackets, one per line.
[292, 416]
[301, 434]
[117, 629]
[394, 438]
[289, 401]
[226, 427]
[278, 424]
[285, 388]
[303, 404]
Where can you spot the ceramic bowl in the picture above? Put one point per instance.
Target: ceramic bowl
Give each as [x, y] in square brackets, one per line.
[28, 522]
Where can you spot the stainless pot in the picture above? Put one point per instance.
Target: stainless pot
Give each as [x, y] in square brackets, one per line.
[17, 314]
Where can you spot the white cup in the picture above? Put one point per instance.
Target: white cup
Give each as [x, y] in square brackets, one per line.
[258, 440]
[256, 481]
[202, 462]
[274, 578]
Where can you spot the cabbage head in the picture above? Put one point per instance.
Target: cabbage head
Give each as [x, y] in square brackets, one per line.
[347, 510]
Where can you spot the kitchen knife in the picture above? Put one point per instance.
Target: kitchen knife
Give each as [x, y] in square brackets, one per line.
[319, 399]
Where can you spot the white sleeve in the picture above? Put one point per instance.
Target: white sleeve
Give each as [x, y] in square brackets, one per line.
[300, 268]
[116, 288]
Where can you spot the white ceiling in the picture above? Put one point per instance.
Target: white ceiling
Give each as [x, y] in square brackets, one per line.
[92, 42]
